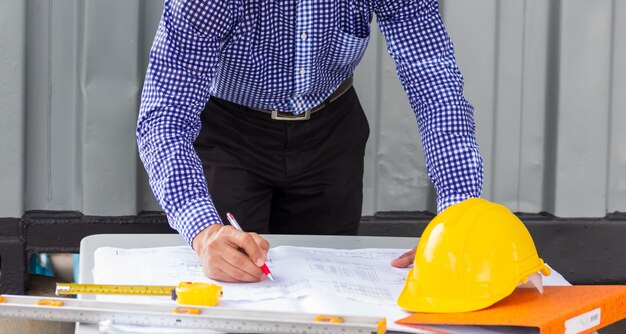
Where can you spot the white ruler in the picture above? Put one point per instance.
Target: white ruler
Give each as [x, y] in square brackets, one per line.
[192, 317]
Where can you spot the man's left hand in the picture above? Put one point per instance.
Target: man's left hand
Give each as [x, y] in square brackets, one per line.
[404, 260]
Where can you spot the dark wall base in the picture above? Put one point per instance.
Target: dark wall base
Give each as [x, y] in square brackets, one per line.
[61, 232]
[12, 261]
[585, 251]
[12, 266]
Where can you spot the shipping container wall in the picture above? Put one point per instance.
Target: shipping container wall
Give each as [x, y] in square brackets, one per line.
[547, 80]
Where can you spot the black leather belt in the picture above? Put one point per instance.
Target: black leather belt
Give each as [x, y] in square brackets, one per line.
[287, 116]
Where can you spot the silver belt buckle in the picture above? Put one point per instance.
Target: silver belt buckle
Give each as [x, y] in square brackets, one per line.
[302, 117]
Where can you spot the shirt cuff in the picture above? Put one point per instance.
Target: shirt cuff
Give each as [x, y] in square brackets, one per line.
[445, 201]
[194, 217]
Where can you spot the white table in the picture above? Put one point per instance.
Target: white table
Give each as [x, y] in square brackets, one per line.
[89, 244]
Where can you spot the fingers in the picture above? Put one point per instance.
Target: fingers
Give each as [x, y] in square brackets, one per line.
[234, 266]
[404, 260]
[219, 249]
[262, 243]
[247, 242]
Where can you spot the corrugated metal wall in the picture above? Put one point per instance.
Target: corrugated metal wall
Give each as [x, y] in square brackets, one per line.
[547, 78]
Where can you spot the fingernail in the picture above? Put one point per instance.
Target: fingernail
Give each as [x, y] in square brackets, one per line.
[259, 262]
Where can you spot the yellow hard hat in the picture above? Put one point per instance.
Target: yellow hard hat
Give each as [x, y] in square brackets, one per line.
[470, 256]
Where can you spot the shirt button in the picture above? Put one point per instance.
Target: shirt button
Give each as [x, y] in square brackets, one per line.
[304, 36]
[302, 72]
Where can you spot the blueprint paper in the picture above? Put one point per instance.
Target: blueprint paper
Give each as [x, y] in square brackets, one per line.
[363, 275]
[314, 280]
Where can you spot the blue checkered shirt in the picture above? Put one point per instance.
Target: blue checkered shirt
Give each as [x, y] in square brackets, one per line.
[290, 56]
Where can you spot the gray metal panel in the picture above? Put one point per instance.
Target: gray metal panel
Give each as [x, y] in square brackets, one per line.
[52, 112]
[546, 79]
[507, 128]
[583, 109]
[533, 96]
[617, 117]
[38, 181]
[12, 105]
[109, 86]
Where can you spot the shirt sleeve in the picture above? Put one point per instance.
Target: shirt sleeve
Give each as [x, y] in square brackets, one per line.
[418, 42]
[183, 61]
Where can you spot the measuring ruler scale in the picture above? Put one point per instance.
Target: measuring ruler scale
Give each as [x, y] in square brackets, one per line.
[191, 317]
[188, 293]
[103, 289]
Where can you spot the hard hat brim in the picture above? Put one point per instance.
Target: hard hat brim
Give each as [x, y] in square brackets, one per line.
[412, 300]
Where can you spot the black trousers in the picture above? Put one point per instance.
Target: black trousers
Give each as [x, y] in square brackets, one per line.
[286, 177]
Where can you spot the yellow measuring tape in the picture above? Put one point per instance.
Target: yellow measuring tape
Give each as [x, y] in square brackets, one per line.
[188, 293]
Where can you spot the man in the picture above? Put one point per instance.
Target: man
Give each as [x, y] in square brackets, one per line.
[248, 108]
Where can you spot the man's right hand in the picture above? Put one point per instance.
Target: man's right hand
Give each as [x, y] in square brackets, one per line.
[230, 255]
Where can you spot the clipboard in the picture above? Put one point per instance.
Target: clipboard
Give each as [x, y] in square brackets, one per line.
[560, 309]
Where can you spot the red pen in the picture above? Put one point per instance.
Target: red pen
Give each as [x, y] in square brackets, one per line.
[233, 222]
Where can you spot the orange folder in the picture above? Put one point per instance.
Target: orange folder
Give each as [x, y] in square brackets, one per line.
[560, 309]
